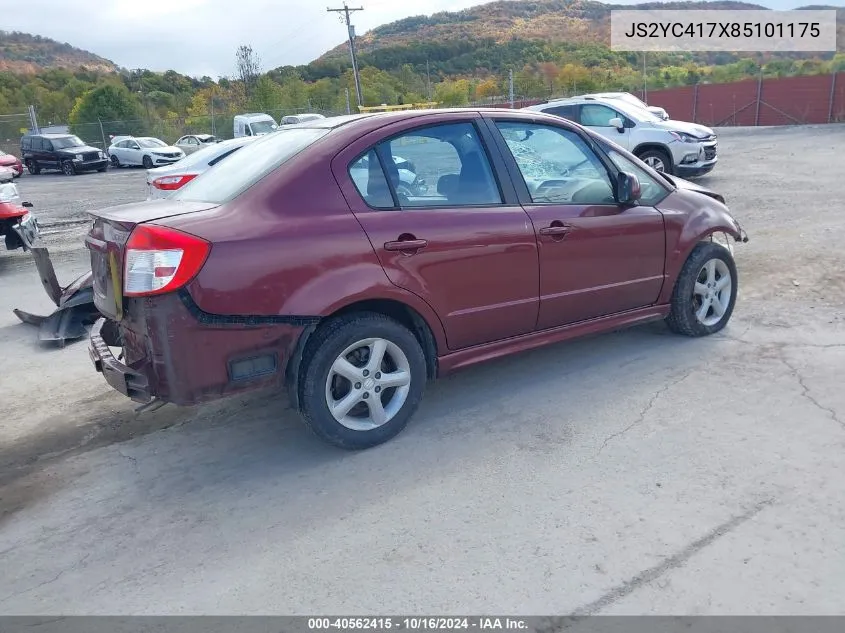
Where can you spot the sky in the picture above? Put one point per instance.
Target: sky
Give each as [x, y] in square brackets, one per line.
[199, 37]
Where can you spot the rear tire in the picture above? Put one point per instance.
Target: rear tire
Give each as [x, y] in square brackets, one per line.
[33, 167]
[341, 378]
[68, 169]
[148, 162]
[705, 292]
[658, 160]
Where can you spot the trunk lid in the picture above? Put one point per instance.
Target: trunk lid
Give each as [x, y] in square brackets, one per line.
[106, 242]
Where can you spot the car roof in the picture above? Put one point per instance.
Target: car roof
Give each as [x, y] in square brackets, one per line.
[51, 135]
[358, 125]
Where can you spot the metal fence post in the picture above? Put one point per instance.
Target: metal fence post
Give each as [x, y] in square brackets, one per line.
[695, 103]
[832, 97]
[759, 95]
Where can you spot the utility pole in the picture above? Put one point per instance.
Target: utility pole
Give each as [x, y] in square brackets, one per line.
[351, 30]
[428, 78]
[213, 131]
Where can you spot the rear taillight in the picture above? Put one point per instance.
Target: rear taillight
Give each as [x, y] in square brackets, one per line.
[172, 183]
[160, 260]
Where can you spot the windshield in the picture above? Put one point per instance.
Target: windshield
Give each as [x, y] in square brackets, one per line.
[243, 169]
[67, 141]
[150, 142]
[633, 112]
[262, 127]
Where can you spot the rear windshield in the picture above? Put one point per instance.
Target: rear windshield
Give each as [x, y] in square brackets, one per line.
[243, 169]
[205, 155]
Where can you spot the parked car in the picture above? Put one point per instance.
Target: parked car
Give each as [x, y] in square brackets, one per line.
[409, 182]
[12, 162]
[143, 150]
[7, 174]
[277, 267]
[254, 124]
[18, 226]
[194, 142]
[163, 181]
[627, 97]
[62, 152]
[674, 147]
[294, 119]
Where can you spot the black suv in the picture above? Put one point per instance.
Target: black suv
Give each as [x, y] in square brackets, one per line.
[63, 152]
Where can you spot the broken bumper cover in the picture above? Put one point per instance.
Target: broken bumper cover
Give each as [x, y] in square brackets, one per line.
[130, 383]
[26, 231]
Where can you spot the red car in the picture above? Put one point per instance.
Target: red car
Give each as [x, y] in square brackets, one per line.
[288, 264]
[8, 160]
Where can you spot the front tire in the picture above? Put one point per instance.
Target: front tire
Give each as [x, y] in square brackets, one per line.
[362, 380]
[68, 169]
[705, 292]
[658, 160]
[147, 162]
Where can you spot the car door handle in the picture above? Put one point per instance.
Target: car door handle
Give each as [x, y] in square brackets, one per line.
[405, 245]
[555, 230]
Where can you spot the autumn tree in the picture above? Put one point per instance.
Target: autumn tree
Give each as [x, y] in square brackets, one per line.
[248, 68]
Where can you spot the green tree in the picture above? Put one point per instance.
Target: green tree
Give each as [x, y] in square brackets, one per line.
[267, 95]
[110, 103]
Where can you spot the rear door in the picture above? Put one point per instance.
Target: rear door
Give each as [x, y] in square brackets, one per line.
[597, 257]
[463, 243]
[46, 155]
[597, 116]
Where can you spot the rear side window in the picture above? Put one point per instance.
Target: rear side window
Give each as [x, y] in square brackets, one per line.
[26, 143]
[569, 112]
[370, 181]
[243, 169]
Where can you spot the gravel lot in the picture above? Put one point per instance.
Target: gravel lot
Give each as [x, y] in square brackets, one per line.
[633, 473]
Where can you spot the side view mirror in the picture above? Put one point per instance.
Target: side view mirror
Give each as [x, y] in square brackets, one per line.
[628, 190]
[27, 205]
[618, 123]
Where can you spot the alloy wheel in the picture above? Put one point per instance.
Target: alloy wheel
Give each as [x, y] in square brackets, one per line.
[656, 163]
[712, 292]
[368, 384]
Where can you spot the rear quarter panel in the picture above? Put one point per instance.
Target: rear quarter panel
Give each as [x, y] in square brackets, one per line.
[290, 246]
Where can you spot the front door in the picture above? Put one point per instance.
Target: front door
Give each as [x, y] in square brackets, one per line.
[597, 257]
[454, 241]
[597, 117]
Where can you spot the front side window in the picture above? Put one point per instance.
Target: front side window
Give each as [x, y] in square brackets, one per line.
[653, 191]
[595, 115]
[243, 169]
[557, 165]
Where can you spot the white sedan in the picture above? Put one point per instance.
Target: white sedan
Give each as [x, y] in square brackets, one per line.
[195, 142]
[144, 150]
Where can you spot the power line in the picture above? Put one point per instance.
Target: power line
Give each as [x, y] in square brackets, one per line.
[351, 29]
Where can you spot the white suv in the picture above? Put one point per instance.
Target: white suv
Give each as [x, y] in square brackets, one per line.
[675, 147]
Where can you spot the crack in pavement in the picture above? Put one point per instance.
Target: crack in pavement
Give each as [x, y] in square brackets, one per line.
[46, 582]
[673, 562]
[648, 407]
[806, 391]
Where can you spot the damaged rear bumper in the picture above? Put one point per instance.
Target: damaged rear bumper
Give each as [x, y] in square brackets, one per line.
[120, 377]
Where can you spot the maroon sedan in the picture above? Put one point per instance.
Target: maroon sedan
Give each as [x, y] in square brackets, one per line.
[306, 261]
[8, 160]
